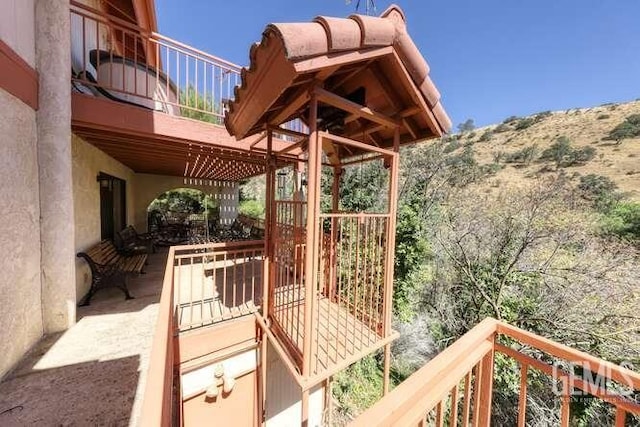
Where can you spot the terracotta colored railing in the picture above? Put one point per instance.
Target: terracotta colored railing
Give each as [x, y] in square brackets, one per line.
[188, 301]
[455, 388]
[158, 404]
[122, 61]
[216, 281]
[352, 276]
[116, 59]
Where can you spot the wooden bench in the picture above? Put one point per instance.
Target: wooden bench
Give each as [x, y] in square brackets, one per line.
[132, 243]
[110, 268]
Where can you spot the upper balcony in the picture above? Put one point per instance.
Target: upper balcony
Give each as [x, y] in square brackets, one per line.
[156, 104]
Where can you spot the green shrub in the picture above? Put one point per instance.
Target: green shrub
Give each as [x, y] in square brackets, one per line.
[525, 123]
[603, 117]
[524, 156]
[486, 136]
[452, 146]
[492, 168]
[623, 220]
[558, 150]
[601, 190]
[251, 208]
[502, 128]
[542, 115]
[564, 155]
[358, 386]
[582, 156]
[629, 128]
[510, 119]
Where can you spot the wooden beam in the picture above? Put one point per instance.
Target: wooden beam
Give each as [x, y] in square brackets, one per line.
[354, 108]
[409, 127]
[331, 152]
[350, 75]
[356, 144]
[18, 77]
[418, 97]
[385, 85]
[292, 105]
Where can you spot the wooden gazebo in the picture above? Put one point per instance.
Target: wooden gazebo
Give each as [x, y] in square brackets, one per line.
[362, 89]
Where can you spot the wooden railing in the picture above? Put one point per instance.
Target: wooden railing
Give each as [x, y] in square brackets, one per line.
[456, 387]
[216, 281]
[119, 60]
[116, 59]
[158, 403]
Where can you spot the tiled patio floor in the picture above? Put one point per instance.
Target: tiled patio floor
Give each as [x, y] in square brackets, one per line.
[94, 373]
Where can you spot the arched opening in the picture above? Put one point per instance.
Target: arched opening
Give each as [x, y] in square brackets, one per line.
[192, 216]
[181, 215]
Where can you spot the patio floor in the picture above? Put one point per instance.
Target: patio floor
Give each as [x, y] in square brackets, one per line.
[94, 373]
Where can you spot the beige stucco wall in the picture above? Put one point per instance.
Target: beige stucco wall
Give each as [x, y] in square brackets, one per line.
[148, 187]
[17, 28]
[88, 162]
[20, 315]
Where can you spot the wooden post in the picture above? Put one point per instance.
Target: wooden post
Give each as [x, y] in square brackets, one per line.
[311, 247]
[268, 229]
[565, 408]
[390, 253]
[485, 383]
[387, 369]
[305, 408]
[621, 417]
[522, 399]
[328, 400]
[335, 207]
[263, 378]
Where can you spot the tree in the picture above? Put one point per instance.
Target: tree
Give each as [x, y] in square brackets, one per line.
[467, 126]
[198, 107]
[529, 257]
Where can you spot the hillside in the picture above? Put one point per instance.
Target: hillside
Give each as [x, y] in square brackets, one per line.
[513, 149]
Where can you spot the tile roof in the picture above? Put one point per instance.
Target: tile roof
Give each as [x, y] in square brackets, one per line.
[326, 37]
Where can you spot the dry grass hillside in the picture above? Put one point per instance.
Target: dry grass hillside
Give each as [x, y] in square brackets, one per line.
[506, 146]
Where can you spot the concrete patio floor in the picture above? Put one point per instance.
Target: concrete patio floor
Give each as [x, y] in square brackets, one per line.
[95, 372]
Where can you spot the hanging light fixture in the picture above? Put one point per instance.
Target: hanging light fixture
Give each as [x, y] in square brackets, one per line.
[105, 181]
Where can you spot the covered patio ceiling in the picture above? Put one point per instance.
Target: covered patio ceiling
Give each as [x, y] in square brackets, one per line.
[366, 72]
[157, 143]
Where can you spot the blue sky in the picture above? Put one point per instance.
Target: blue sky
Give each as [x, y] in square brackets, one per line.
[489, 58]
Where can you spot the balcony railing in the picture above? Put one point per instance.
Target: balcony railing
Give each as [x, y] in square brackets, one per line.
[115, 59]
[203, 285]
[456, 387]
[118, 60]
[215, 282]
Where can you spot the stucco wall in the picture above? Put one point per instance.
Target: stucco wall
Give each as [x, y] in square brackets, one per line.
[149, 187]
[20, 292]
[17, 28]
[88, 162]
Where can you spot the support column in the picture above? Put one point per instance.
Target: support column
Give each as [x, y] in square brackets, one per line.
[267, 282]
[390, 256]
[313, 205]
[335, 207]
[53, 63]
